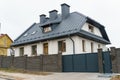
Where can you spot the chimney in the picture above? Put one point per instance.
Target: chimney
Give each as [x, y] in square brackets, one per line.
[47, 18]
[53, 14]
[65, 9]
[42, 18]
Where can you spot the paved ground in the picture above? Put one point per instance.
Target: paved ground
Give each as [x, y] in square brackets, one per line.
[56, 76]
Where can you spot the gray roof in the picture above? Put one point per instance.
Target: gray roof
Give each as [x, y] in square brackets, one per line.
[61, 27]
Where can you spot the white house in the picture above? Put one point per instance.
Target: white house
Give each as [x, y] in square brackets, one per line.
[66, 33]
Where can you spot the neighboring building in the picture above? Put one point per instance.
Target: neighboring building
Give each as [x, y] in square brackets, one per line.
[65, 33]
[5, 42]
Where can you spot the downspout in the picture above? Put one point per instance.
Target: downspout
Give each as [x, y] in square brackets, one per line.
[73, 51]
[73, 43]
[12, 52]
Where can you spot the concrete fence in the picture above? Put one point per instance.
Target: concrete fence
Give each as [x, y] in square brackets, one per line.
[53, 63]
[49, 63]
[115, 59]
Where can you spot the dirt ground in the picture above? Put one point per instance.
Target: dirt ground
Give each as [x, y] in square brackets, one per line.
[54, 76]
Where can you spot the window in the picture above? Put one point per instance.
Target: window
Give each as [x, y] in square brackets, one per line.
[34, 50]
[25, 34]
[83, 45]
[91, 47]
[34, 32]
[99, 46]
[47, 29]
[45, 48]
[91, 28]
[61, 46]
[22, 51]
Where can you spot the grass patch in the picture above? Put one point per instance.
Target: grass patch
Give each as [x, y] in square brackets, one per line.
[115, 77]
[12, 70]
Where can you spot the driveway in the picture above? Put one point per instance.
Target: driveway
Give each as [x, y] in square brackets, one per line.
[56, 76]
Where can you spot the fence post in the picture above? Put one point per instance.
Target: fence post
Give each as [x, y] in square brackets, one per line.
[1, 61]
[12, 61]
[42, 65]
[25, 61]
[100, 61]
[59, 62]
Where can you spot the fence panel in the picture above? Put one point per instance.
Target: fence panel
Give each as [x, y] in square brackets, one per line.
[80, 63]
[34, 63]
[20, 62]
[67, 63]
[51, 63]
[7, 62]
[107, 62]
[92, 62]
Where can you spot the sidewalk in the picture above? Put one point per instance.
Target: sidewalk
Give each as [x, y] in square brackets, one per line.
[56, 76]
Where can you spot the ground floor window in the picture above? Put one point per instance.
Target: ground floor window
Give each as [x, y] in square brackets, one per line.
[22, 51]
[45, 48]
[61, 46]
[99, 46]
[34, 50]
[92, 46]
[83, 45]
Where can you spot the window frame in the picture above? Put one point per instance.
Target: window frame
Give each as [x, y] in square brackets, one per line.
[99, 46]
[47, 29]
[21, 51]
[92, 47]
[61, 46]
[83, 46]
[45, 48]
[34, 50]
[91, 28]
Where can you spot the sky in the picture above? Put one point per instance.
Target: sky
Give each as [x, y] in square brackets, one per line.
[18, 15]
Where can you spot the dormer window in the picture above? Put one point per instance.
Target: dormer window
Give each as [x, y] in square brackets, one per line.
[91, 28]
[47, 29]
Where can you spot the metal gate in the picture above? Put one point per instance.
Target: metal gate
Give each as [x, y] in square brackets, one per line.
[80, 63]
[107, 65]
[85, 62]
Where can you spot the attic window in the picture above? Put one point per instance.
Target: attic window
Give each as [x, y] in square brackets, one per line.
[47, 29]
[25, 34]
[33, 32]
[91, 28]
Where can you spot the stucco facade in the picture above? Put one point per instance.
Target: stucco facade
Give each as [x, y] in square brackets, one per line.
[66, 33]
[96, 30]
[53, 46]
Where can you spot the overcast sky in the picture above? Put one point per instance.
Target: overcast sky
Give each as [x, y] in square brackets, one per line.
[17, 15]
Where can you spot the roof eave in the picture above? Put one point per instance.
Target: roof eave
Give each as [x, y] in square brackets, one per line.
[97, 38]
[42, 40]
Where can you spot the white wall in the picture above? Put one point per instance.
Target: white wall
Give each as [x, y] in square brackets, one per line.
[8, 52]
[53, 46]
[78, 45]
[96, 30]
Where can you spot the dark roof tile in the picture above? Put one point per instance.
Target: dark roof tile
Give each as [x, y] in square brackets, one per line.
[70, 25]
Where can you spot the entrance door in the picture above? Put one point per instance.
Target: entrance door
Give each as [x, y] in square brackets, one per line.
[45, 48]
